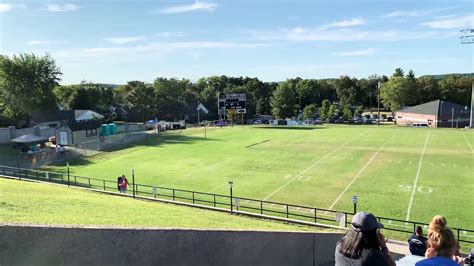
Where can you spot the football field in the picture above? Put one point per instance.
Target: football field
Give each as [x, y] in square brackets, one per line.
[402, 173]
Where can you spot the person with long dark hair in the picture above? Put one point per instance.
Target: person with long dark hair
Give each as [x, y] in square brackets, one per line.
[363, 244]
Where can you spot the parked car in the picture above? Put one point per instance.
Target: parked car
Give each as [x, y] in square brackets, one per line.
[257, 122]
[357, 120]
[221, 123]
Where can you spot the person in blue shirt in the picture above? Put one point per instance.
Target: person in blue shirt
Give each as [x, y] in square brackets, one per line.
[441, 244]
[417, 242]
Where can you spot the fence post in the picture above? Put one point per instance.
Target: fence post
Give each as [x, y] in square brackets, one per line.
[89, 182]
[315, 219]
[174, 197]
[345, 219]
[414, 228]
[261, 207]
[68, 174]
[193, 197]
[133, 180]
[75, 181]
[287, 212]
[136, 189]
[104, 184]
[19, 168]
[214, 200]
[37, 175]
[458, 234]
[49, 177]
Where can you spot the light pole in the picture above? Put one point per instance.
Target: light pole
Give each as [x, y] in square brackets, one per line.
[467, 37]
[379, 84]
[231, 184]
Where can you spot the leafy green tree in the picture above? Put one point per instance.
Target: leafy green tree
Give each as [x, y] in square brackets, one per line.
[411, 75]
[456, 88]
[347, 113]
[346, 89]
[396, 93]
[283, 100]
[26, 85]
[332, 111]
[324, 110]
[427, 89]
[310, 111]
[308, 91]
[398, 73]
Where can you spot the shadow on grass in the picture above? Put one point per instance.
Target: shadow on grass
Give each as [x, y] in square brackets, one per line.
[152, 141]
[290, 127]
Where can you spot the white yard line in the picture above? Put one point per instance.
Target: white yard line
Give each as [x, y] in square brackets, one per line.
[312, 165]
[468, 143]
[362, 170]
[417, 176]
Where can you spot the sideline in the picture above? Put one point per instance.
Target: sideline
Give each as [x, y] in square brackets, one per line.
[417, 176]
[314, 164]
[362, 170]
[468, 143]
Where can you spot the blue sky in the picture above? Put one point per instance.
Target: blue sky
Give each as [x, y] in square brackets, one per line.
[117, 41]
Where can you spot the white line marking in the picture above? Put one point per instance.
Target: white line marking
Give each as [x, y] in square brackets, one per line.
[312, 165]
[469, 143]
[362, 170]
[417, 176]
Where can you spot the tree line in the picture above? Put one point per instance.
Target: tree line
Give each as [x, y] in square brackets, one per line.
[30, 83]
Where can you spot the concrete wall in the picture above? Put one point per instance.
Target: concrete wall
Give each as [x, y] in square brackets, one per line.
[79, 246]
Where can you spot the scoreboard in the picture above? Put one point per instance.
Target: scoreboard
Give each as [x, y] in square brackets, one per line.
[232, 103]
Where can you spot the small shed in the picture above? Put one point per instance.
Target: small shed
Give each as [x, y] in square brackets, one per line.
[80, 132]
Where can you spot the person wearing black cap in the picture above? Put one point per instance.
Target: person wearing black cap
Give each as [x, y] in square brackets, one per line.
[363, 244]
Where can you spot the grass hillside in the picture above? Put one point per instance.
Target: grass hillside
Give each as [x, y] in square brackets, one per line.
[35, 203]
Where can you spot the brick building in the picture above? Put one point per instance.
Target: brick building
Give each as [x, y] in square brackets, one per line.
[436, 113]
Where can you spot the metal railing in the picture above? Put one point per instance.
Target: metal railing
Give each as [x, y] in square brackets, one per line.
[269, 209]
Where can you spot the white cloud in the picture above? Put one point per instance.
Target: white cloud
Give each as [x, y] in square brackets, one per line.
[108, 53]
[6, 7]
[124, 40]
[37, 42]
[62, 8]
[452, 23]
[169, 34]
[406, 13]
[344, 23]
[357, 53]
[196, 6]
[343, 35]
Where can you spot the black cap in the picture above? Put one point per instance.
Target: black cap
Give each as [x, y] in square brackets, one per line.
[365, 221]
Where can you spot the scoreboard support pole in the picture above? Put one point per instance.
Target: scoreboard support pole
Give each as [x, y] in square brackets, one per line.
[243, 119]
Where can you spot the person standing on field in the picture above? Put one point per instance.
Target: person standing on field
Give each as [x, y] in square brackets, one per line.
[124, 184]
[119, 183]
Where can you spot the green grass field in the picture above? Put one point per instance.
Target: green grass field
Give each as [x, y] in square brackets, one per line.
[32, 203]
[404, 173]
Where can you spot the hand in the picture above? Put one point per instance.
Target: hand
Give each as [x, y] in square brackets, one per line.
[430, 253]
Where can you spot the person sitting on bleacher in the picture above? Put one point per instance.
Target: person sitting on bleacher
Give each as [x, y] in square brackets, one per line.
[441, 244]
[417, 242]
[363, 244]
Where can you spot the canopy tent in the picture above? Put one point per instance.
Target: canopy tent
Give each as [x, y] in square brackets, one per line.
[29, 139]
[87, 115]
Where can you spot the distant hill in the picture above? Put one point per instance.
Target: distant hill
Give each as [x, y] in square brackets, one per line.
[442, 76]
